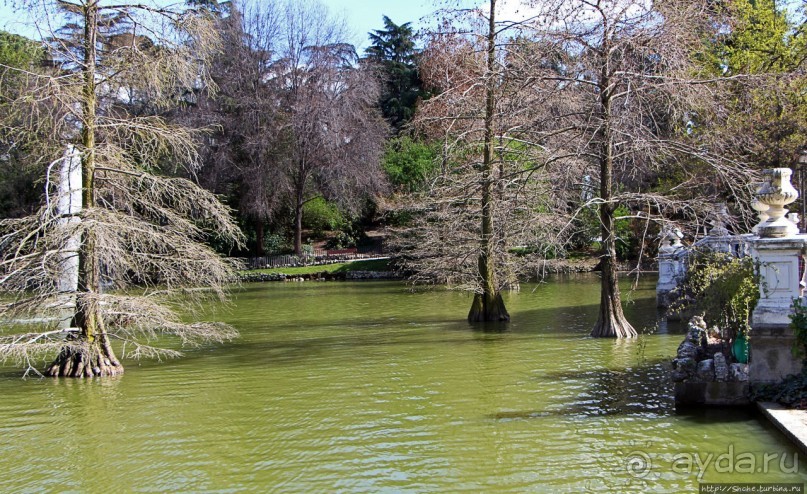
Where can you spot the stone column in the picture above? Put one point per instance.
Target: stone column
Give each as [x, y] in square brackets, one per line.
[776, 251]
[670, 266]
[68, 207]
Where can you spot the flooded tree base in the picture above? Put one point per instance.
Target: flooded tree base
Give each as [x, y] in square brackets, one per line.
[611, 322]
[85, 361]
[613, 326]
[490, 310]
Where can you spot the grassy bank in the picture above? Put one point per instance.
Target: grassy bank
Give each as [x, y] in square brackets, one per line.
[369, 265]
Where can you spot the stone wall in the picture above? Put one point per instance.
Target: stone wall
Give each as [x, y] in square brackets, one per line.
[772, 357]
[703, 370]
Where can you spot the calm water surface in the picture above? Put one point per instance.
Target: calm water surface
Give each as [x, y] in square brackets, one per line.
[365, 387]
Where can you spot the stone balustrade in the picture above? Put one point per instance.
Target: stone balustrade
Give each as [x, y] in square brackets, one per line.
[778, 250]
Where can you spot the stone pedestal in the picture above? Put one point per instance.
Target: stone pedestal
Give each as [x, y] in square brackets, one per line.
[670, 265]
[669, 270]
[772, 356]
[778, 261]
[771, 336]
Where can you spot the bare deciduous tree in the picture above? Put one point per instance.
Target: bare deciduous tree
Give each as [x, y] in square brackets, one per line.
[299, 114]
[242, 153]
[489, 197]
[141, 236]
[334, 131]
[623, 90]
[595, 103]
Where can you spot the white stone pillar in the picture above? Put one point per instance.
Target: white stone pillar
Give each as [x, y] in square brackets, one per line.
[777, 252]
[780, 275]
[670, 266]
[68, 207]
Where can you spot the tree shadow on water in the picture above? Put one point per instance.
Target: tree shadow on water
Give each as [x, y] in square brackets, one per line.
[641, 390]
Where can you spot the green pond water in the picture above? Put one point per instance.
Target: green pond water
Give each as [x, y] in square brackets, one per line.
[366, 387]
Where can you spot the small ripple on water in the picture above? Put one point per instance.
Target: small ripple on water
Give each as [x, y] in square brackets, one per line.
[391, 396]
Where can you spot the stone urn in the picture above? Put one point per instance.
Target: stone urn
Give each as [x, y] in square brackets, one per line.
[776, 193]
[761, 209]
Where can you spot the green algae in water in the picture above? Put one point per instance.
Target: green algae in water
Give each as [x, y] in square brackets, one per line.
[367, 387]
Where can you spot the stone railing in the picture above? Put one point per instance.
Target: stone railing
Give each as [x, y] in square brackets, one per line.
[778, 251]
[673, 255]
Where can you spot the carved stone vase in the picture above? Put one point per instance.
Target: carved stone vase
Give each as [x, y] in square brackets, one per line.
[776, 193]
[761, 209]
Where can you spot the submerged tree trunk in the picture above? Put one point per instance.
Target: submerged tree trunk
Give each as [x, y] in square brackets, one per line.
[611, 322]
[89, 353]
[488, 305]
[86, 358]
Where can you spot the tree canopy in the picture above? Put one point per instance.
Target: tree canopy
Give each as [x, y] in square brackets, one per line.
[394, 50]
[113, 254]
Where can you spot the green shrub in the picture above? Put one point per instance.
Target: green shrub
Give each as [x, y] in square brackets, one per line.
[546, 251]
[275, 244]
[320, 216]
[722, 288]
[409, 163]
[587, 230]
[342, 240]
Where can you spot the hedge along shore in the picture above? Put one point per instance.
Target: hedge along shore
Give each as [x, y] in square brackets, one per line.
[249, 277]
[535, 272]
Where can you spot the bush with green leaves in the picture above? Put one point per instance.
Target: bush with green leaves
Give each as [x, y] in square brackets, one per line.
[722, 288]
[276, 244]
[409, 163]
[587, 231]
[320, 216]
[342, 240]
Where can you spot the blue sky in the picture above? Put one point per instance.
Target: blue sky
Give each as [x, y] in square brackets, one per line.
[362, 16]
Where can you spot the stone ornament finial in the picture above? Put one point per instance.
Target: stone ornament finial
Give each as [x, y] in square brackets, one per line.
[719, 219]
[776, 193]
[670, 241]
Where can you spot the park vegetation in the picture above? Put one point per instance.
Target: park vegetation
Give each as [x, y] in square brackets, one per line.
[481, 145]
[132, 244]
